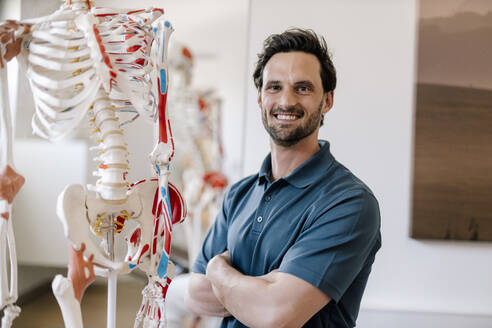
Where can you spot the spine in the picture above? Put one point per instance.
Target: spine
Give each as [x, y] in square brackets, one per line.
[112, 150]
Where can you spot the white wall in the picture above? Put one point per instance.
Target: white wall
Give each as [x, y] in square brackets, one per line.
[48, 168]
[9, 9]
[370, 130]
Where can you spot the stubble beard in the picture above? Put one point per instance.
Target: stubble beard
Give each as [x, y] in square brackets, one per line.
[282, 135]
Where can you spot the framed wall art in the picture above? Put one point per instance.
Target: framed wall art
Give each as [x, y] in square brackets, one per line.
[452, 177]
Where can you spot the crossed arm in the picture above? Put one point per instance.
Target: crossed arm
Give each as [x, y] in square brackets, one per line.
[276, 299]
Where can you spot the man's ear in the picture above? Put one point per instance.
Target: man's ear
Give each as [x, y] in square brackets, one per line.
[327, 101]
[259, 97]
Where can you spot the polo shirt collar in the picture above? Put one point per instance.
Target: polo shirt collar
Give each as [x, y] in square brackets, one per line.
[265, 170]
[307, 173]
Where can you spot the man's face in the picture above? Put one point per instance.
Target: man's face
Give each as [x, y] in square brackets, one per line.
[291, 99]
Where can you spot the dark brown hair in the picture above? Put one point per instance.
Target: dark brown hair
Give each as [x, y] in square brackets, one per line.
[296, 39]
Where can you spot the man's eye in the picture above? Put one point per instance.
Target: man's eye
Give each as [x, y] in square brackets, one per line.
[273, 87]
[303, 89]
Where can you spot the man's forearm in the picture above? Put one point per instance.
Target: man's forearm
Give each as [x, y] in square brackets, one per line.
[276, 299]
[249, 299]
[200, 298]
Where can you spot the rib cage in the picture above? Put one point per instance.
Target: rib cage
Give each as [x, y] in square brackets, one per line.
[72, 54]
[98, 60]
[121, 48]
[61, 74]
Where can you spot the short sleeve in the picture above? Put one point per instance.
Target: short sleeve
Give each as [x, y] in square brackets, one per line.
[331, 252]
[216, 240]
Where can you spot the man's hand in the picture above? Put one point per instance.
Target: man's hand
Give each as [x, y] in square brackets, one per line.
[201, 297]
[223, 257]
[218, 263]
[216, 271]
[201, 300]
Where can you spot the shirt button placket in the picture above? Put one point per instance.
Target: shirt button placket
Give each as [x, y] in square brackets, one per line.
[258, 225]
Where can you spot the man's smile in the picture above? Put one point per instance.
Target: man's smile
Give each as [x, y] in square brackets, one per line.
[287, 116]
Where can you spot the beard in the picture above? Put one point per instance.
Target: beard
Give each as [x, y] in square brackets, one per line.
[282, 134]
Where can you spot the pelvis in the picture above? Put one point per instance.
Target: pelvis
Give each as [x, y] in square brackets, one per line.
[83, 213]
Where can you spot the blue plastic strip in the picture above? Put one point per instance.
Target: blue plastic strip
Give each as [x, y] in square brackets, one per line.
[162, 268]
[163, 81]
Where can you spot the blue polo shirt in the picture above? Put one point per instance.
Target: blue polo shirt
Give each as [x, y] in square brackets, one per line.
[320, 224]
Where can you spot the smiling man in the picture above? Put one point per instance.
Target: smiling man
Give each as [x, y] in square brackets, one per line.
[293, 244]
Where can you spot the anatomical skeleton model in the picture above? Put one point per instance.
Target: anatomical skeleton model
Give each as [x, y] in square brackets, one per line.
[105, 63]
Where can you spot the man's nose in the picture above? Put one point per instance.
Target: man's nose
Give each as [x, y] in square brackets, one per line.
[287, 98]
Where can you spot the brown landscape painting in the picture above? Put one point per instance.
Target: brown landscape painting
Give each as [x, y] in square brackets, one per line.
[452, 179]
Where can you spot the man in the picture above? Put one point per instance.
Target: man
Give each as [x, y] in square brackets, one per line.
[294, 244]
